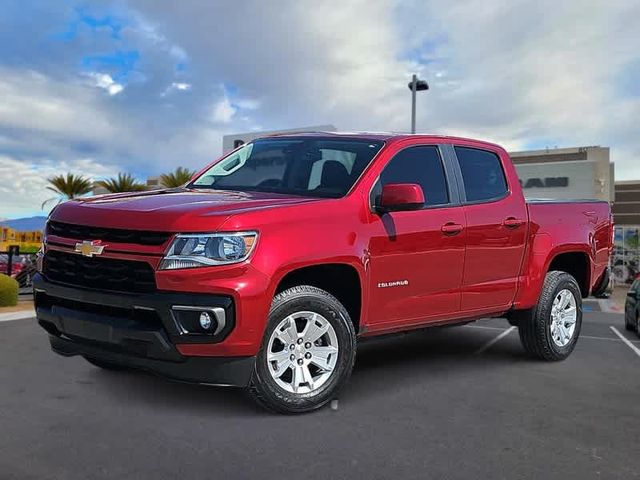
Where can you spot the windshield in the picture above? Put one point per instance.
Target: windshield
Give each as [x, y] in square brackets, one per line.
[318, 166]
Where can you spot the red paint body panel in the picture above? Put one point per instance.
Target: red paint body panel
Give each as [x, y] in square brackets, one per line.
[459, 262]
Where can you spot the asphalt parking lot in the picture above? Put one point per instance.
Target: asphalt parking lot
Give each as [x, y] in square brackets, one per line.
[448, 403]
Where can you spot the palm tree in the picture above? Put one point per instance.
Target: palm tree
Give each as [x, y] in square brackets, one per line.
[124, 182]
[177, 178]
[68, 187]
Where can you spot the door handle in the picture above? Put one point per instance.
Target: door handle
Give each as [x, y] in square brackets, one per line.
[451, 228]
[512, 222]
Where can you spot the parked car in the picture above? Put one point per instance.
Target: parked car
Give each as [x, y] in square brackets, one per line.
[264, 270]
[632, 307]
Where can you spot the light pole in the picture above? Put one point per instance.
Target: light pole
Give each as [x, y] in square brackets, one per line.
[415, 85]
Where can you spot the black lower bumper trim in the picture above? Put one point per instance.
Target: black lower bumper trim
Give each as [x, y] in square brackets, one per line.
[232, 371]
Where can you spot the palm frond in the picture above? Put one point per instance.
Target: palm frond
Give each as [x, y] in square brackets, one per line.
[177, 178]
[68, 186]
[124, 182]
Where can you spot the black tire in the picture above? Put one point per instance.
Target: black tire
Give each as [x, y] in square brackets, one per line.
[105, 365]
[628, 325]
[603, 284]
[534, 325]
[631, 324]
[264, 389]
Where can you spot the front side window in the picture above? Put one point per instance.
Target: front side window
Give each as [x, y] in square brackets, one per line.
[482, 174]
[421, 165]
[307, 166]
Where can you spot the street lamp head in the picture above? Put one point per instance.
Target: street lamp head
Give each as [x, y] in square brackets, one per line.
[420, 85]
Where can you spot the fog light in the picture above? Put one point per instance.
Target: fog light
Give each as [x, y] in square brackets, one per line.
[205, 320]
[199, 320]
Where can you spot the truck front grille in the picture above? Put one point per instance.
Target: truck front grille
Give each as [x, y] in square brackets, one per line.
[82, 232]
[99, 273]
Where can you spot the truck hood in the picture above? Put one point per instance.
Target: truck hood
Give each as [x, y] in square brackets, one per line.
[173, 210]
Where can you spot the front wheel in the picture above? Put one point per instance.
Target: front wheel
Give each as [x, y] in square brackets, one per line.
[551, 329]
[307, 354]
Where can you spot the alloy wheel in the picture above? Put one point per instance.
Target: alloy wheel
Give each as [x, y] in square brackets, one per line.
[564, 315]
[302, 352]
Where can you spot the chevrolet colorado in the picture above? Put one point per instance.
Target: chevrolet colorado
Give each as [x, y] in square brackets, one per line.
[266, 267]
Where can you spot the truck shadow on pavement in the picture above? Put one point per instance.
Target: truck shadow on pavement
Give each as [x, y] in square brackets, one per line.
[407, 359]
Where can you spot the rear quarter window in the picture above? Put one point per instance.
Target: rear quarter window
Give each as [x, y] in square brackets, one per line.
[482, 174]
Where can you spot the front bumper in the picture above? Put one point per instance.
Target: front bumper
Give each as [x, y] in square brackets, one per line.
[136, 330]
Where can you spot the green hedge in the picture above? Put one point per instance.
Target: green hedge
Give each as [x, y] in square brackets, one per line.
[8, 291]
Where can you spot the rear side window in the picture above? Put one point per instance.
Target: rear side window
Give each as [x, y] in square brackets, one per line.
[421, 165]
[482, 174]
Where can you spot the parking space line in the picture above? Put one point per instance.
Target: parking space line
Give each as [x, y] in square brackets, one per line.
[635, 349]
[13, 316]
[591, 337]
[493, 341]
[483, 327]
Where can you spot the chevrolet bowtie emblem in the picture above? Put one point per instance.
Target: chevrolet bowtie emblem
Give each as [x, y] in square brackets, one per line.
[89, 248]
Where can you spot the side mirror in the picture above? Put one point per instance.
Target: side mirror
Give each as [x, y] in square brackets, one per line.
[398, 197]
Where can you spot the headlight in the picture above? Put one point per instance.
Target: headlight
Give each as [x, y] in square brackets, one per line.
[201, 250]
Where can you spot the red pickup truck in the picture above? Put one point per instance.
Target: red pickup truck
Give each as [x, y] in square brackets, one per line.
[265, 269]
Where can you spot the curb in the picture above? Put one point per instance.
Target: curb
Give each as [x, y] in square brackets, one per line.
[26, 314]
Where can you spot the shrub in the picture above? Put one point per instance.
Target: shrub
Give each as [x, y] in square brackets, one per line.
[8, 291]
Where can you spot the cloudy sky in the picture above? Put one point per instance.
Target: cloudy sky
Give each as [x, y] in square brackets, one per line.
[146, 85]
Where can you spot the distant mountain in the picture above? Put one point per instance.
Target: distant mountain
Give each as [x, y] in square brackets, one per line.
[25, 224]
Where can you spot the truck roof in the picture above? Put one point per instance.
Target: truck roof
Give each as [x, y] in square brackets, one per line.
[383, 136]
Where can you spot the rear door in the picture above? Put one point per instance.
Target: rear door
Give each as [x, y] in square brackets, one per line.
[496, 217]
[417, 257]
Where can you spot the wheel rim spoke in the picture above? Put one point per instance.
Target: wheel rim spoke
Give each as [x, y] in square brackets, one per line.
[313, 331]
[322, 356]
[296, 378]
[306, 376]
[289, 333]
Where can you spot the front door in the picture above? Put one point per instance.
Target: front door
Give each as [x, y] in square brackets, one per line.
[416, 257]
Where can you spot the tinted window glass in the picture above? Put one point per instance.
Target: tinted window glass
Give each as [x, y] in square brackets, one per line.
[482, 174]
[421, 165]
[314, 166]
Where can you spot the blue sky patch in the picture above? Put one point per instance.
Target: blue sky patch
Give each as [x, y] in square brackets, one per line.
[120, 63]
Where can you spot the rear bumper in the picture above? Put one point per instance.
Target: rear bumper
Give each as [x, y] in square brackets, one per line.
[137, 330]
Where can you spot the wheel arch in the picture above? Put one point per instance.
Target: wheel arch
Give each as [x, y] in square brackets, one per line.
[576, 263]
[341, 279]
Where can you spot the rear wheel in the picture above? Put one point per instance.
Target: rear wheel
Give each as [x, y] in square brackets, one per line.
[307, 354]
[550, 331]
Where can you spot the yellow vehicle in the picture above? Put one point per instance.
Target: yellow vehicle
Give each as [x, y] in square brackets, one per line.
[29, 242]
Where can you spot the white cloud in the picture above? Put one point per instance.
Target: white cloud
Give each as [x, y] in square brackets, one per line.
[176, 86]
[26, 190]
[33, 101]
[247, 104]
[104, 81]
[223, 111]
